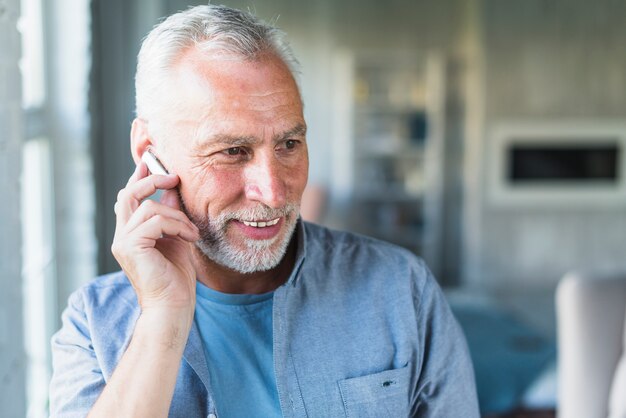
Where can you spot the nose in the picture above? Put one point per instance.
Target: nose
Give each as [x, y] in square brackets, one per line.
[265, 181]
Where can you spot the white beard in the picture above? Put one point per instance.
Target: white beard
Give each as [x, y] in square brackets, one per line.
[254, 255]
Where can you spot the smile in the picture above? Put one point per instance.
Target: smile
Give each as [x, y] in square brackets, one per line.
[261, 224]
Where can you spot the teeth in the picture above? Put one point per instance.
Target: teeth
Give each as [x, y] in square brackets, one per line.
[261, 224]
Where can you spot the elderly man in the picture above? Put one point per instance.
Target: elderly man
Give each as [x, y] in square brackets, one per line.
[228, 304]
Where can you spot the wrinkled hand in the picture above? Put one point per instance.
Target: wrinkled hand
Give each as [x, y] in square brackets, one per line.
[153, 242]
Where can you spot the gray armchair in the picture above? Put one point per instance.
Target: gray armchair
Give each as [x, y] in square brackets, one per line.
[591, 315]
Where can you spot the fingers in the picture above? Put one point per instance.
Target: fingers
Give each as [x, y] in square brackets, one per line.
[149, 209]
[148, 220]
[159, 225]
[138, 189]
[146, 234]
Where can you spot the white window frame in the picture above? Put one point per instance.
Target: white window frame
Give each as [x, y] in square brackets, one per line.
[59, 242]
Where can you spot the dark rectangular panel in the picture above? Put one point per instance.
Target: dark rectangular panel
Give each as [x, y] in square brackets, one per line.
[571, 163]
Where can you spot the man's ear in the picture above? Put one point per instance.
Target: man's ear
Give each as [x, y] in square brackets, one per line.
[140, 139]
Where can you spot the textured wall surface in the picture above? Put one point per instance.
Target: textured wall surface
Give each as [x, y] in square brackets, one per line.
[545, 60]
[12, 402]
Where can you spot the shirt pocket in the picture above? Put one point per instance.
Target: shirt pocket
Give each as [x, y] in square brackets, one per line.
[384, 394]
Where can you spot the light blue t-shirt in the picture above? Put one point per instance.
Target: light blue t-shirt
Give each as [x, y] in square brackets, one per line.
[236, 333]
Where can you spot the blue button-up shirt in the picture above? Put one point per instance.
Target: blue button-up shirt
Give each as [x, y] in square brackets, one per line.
[361, 329]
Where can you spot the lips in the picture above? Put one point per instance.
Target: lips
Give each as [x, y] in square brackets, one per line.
[260, 229]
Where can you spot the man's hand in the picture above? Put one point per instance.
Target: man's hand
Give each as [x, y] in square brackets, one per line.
[152, 243]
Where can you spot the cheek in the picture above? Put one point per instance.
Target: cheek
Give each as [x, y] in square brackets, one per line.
[299, 177]
[298, 183]
[212, 192]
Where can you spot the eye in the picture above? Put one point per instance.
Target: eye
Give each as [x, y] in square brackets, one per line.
[288, 145]
[233, 154]
[234, 151]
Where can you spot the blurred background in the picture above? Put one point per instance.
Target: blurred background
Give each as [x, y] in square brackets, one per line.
[487, 136]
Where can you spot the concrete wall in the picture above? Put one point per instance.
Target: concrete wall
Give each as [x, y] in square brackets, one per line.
[542, 60]
[12, 373]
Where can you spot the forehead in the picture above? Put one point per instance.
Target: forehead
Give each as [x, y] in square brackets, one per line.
[227, 80]
[227, 94]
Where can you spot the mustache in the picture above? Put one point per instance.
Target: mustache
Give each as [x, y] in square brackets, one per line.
[259, 212]
[213, 230]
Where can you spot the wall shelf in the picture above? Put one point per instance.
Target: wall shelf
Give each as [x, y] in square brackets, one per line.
[390, 115]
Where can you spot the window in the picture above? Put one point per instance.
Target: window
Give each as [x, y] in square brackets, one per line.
[37, 207]
[38, 274]
[57, 186]
[32, 62]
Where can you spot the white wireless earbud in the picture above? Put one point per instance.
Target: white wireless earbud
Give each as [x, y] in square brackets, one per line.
[153, 163]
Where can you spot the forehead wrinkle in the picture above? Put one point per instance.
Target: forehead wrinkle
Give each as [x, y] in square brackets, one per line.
[262, 103]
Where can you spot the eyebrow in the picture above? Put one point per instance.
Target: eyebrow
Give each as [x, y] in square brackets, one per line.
[297, 131]
[239, 140]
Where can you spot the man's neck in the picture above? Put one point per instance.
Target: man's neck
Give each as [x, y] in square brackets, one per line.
[225, 280]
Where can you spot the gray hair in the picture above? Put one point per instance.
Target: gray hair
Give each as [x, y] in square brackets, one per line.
[212, 29]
